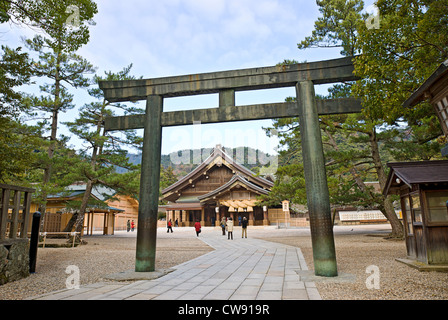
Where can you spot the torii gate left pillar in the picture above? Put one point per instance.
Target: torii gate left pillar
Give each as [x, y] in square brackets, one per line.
[307, 108]
[149, 186]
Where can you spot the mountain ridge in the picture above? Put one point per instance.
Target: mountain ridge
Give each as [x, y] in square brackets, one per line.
[184, 161]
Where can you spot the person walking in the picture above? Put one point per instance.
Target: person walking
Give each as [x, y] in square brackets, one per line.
[170, 227]
[197, 227]
[229, 228]
[128, 225]
[244, 227]
[223, 226]
[132, 226]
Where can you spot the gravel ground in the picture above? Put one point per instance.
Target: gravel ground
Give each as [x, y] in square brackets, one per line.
[355, 251]
[102, 255]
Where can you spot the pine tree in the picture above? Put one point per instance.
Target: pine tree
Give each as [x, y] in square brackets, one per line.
[58, 63]
[103, 152]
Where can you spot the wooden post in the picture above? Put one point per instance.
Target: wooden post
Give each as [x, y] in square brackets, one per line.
[34, 241]
[316, 182]
[91, 222]
[217, 216]
[14, 215]
[265, 216]
[88, 222]
[203, 217]
[149, 186]
[105, 222]
[25, 214]
[4, 213]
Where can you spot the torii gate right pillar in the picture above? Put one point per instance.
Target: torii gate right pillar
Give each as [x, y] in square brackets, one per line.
[317, 193]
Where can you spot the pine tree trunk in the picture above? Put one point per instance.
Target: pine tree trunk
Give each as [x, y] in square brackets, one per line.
[77, 220]
[387, 207]
[71, 222]
[85, 199]
[53, 137]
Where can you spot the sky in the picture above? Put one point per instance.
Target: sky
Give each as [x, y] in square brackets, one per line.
[179, 37]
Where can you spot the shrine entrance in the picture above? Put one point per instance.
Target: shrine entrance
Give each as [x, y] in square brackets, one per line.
[301, 76]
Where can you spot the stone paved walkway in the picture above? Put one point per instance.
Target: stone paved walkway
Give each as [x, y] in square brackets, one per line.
[239, 269]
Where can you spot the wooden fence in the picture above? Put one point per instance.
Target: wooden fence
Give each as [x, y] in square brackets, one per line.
[14, 212]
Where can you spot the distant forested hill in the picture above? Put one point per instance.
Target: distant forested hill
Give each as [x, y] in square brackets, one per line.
[184, 161]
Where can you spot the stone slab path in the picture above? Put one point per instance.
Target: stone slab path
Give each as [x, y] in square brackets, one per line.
[239, 269]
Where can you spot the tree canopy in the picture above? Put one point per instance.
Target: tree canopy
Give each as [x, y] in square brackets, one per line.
[392, 59]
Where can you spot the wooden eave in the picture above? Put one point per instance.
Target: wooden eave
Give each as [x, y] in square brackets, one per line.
[428, 89]
[415, 172]
[236, 180]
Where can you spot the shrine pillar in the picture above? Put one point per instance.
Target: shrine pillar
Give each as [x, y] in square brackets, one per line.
[265, 216]
[149, 186]
[318, 199]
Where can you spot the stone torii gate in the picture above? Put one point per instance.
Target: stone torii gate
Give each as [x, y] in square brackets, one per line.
[302, 76]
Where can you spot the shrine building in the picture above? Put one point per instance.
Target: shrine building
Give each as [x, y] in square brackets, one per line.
[218, 187]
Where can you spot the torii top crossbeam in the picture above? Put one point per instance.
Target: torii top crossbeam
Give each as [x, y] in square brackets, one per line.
[322, 72]
[226, 83]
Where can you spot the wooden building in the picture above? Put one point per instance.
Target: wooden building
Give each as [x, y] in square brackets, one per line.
[129, 205]
[423, 186]
[218, 187]
[423, 190]
[110, 216]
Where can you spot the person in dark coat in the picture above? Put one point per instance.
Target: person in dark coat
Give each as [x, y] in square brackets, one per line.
[244, 227]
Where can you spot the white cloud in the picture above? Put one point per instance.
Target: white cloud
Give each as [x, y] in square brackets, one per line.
[172, 37]
[210, 10]
[195, 33]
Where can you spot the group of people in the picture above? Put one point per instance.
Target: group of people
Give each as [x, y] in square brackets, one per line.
[130, 226]
[170, 225]
[197, 227]
[226, 225]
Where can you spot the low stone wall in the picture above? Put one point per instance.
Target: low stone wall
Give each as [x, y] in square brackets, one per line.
[14, 260]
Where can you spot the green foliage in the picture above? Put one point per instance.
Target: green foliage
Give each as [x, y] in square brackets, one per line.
[289, 184]
[59, 64]
[103, 152]
[61, 69]
[15, 70]
[394, 60]
[397, 57]
[17, 141]
[18, 144]
[55, 18]
[336, 27]
[167, 178]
